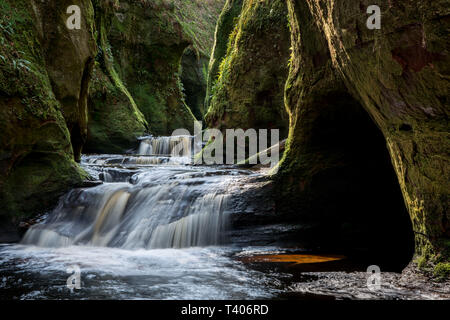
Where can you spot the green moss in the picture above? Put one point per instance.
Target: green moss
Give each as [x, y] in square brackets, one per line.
[115, 119]
[225, 25]
[198, 19]
[147, 46]
[194, 73]
[248, 92]
[36, 157]
[442, 271]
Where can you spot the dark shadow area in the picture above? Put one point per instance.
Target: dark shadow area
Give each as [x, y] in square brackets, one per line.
[342, 191]
[356, 204]
[193, 78]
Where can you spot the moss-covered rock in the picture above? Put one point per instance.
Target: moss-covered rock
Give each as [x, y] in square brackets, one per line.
[41, 95]
[194, 71]
[69, 59]
[442, 271]
[198, 19]
[225, 25]
[150, 69]
[249, 90]
[399, 74]
[147, 42]
[115, 120]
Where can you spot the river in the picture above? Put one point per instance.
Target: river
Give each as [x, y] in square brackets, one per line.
[158, 228]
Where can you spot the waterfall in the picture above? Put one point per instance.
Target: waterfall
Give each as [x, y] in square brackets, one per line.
[176, 146]
[198, 229]
[161, 207]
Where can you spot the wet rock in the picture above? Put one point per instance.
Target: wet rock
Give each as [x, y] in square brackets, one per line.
[90, 184]
[397, 77]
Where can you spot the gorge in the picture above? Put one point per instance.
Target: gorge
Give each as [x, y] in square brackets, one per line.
[90, 176]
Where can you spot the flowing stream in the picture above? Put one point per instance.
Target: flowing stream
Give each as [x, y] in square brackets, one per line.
[159, 228]
[155, 229]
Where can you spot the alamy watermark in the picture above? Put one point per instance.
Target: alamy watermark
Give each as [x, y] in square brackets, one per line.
[236, 146]
[374, 278]
[74, 20]
[374, 20]
[74, 281]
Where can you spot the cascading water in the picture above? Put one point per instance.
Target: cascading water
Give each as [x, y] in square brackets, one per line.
[175, 146]
[155, 229]
[176, 150]
[160, 207]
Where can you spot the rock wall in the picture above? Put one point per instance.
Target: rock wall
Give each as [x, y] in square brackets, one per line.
[44, 79]
[199, 19]
[194, 71]
[249, 90]
[147, 42]
[225, 25]
[115, 120]
[399, 76]
[122, 65]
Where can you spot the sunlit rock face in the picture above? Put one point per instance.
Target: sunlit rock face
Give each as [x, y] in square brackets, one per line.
[398, 76]
[69, 57]
[43, 89]
[225, 25]
[246, 83]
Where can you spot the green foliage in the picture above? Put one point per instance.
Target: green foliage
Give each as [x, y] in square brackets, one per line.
[442, 271]
[248, 91]
[37, 158]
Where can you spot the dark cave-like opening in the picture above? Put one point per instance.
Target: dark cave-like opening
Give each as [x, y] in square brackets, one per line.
[354, 198]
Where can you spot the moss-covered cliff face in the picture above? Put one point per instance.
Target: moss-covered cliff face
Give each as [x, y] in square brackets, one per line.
[225, 25]
[399, 76]
[43, 90]
[150, 71]
[147, 42]
[249, 90]
[115, 120]
[69, 58]
[199, 19]
[194, 72]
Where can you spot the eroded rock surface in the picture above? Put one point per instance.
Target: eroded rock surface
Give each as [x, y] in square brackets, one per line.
[45, 70]
[399, 76]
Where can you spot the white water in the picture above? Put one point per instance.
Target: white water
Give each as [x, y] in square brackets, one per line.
[28, 272]
[153, 230]
[156, 232]
[164, 207]
[176, 146]
[159, 207]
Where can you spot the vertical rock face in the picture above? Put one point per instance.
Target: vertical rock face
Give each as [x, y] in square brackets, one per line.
[147, 42]
[199, 19]
[399, 76]
[193, 76]
[45, 70]
[69, 58]
[143, 67]
[249, 90]
[225, 25]
[115, 120]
